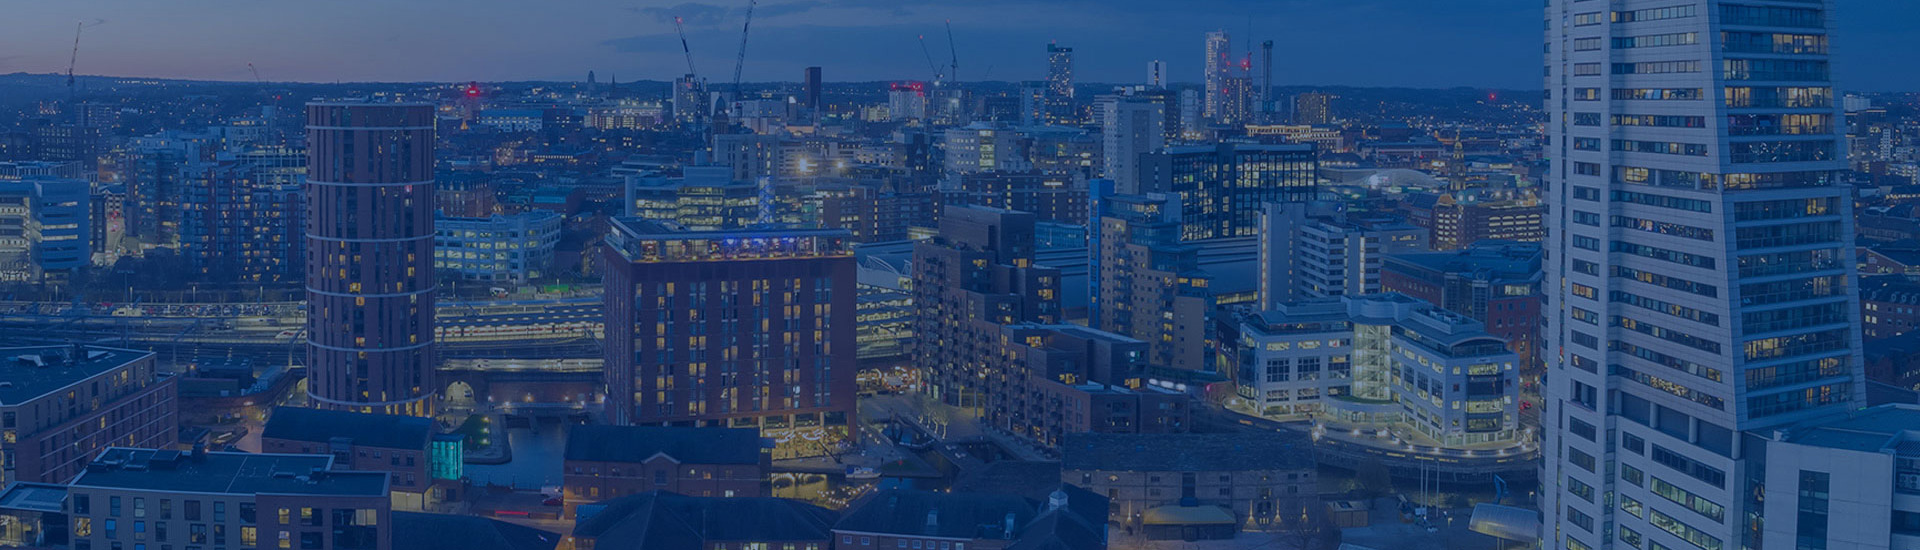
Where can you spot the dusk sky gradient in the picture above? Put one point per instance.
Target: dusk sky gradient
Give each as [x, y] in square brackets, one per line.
[1415, 43]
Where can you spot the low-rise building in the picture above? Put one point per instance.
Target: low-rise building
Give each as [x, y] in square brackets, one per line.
[1386, 361]
[1070, 518]
[128, 498]
[60, 406]
[609, 462]
[1166, 483]
[400, 445]
[512, 248]
[661, 519]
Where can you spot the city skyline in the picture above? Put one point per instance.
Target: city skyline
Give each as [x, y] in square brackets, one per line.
[855, 40]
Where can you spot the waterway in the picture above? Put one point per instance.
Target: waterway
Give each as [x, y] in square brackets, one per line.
[538, 458]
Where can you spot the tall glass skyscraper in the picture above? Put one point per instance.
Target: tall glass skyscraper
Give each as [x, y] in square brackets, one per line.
[1700, 268]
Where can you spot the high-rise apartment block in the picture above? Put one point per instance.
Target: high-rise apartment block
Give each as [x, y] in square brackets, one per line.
[1223, 187]
[1131, 126]
[1145, 283]
[1060, 105]
[743, 328]
[1701, 263]
[370, 279]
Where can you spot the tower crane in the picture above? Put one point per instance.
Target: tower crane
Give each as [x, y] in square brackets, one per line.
[929, 53]
[953, 53]
[74, 59]
[680, 27]
[741, 61]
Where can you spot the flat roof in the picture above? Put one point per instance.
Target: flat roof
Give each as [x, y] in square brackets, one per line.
[36, 497]
[1874, 429]
[29, 372]
[227, 473]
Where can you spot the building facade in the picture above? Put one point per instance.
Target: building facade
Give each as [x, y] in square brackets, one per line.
[1498, 283]
[61, 406]
[747, 329]
[1386, 361]
[1263, 480]
[401, 446]
[129, 498]
[608, 462]
[1305, 256]
[1701, 252]
[370, 279]
[1146, 284]
[1223, 187]
[513, 248]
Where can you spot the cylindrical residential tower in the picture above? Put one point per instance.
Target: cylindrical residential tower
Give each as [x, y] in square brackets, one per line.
[370, 280]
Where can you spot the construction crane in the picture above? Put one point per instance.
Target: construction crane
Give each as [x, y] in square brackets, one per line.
[930, 65]
[75, 59]
[680, 27]
[256, 76]
[741, 61]
[953, 53]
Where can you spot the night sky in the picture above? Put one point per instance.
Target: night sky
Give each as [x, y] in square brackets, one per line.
[1418, 43]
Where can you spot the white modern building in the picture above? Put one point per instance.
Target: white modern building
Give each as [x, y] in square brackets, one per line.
[511, 248]
[1386, 361]
[1129, 127]
[1307, 254]
[1701, 289]
[1849, 481]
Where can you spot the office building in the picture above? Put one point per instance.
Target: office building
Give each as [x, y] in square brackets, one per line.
[403, 446]
[1049, 197]
[60, 406]
[689, 100]
[1157, 74]
[370, 278]
[1851, 477]
[1460, 223]
[1130, 126]
[1701, 264]
[1313, 109]
[746, 329]
[1382, 361]
[1146, 284]
[1060, 106]
[810, 92]
[906, 101]
[45, 226]
[608, 462]
[509, 248]
[985, 147]
[1498, 283]
[704, 198]
[1254, 481]
[1326, 254]
[1224, 187]
[875, 214]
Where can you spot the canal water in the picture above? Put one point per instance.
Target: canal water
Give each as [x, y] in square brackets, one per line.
[538, 458]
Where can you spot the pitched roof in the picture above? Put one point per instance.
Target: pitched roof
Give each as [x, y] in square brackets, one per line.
[686, 445]
[418, 531]
[364, 429]
[1186, 452]
[1068, 518]
[660, 519]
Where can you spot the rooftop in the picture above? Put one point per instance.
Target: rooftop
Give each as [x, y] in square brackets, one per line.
[1186, 452]
[683, 445]
[363, 429]
[1893, 427]
[418, 531]
[34, 497]
[227, 473]
[26, 373]
[661, 519]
